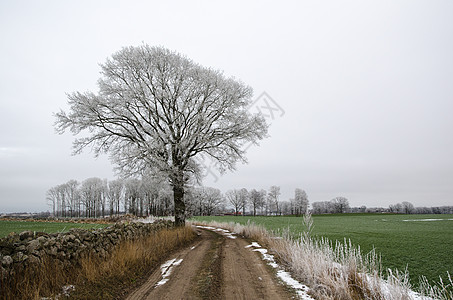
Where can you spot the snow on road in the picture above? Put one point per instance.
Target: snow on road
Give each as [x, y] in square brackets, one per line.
[253, 244]
[301, 289]
[225, 232]
[166, 269]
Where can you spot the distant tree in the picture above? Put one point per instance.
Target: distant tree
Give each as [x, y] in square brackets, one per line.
[158, 110]
[52, 199]
[300, 202]
[285, 208]
[133, 195]
[234, 197]
[321, 207]
[73, 197]
[256, 200]
[397, 208]
[263, 201]
[91, 193]
[408, 208]
[244, 194]
[340, 205]
[210, 200]
[402, 208]
[115, 194]
[273, 195]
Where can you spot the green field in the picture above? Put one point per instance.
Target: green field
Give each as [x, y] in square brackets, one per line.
[424, 246]
[49, 227]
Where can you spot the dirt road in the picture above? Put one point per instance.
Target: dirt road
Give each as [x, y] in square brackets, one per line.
[214, 267]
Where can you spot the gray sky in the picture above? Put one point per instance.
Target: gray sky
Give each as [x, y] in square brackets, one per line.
[364, 90]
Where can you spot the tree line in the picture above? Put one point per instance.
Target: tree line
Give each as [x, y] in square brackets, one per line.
[95, 197]
[151, 195]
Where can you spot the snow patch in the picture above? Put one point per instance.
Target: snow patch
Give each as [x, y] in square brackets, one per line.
[67, 289]
[230, 235]
[152, 219]
[301, 290]
[206, 227]
[260, 250]
[426, 220]
[166, 269]
[254, 245]
[225, 232]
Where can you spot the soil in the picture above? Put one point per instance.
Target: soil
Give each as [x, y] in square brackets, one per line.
[214, 267]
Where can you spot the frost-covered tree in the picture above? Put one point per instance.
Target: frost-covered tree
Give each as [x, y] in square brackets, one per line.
[158, 110]
[244, 194]
[92, 195]
[115, 195]
[133, 196]
[300, 202]
[340, 205]
[272, 196]
[52, 199]
[73, 197]
[408, 207]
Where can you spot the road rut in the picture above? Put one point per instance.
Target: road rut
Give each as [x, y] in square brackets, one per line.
[214, 267]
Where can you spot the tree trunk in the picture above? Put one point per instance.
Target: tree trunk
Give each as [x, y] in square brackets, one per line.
[178, 198]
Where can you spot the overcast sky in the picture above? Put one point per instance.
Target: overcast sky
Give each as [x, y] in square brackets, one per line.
[362, 91]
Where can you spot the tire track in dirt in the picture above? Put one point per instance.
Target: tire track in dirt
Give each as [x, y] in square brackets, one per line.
[215, 267]
[246, 276]
[179, 284]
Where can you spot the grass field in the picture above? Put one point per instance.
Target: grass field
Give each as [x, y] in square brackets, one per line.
[49, 227]
[421, 243]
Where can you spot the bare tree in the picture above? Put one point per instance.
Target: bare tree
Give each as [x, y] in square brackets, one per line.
[300, 202]
[340, 204]
[73, 197]
[213, 200]
[115, 191]
[52, 199]
[133, 196]
[244, 194]
[234, 197]
[256, 200]
[402, 208]
[273, 195]
[157, 109]
[408, 207]
[92, 192]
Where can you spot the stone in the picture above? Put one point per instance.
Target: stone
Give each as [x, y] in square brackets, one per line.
[7, 260]
[53, 251]
[20, 257]
[33, 259]
[25, 235]
[42, 239]
[33, 245]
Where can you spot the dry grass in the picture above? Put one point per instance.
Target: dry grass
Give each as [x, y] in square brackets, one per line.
[442, 290]
[337, 271]
[96, 278]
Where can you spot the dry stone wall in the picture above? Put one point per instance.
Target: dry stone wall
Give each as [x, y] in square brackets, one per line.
[21, 250]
